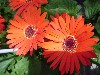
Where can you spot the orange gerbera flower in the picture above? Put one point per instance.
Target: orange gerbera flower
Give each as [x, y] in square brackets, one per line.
[69, 41]
[23, 5]
[2, 20]
[27, 32]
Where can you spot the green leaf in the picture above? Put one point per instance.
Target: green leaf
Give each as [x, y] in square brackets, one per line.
[18, 65]
[28, 66]
[34, 67]
[97, 51]
[3, 40]
[46, 70]
[60, 6]
[7, 9]
[4, 62]
[21, 67]
[3, 35]
[97, 25]
[92, 7]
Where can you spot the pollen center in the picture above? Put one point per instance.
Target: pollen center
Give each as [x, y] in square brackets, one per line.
[30, 31]
[70, 44]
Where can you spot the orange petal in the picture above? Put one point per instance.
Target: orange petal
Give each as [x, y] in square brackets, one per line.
[42, 18]
[15, 5]
[84, 36]
[82, 59]
[22, 8]
[52, 46]
[22, 48]
[88, 62]
[57, 59]
[15, 31]
[22, 24]
[91, 42]
[55, 35]
[42, 25]
[15, 43]
[67, 67]
[55, 66]
[54, 56]
[62, 24]
[16, 24]
[12, 27]
[79, 25]
[63, 62]
[72, 61]
[84, 49]
[54, 38]
[56, 26]
[78, 19]
[39, 37]
[81, 30]
[26, 49]
[48, 52]
[72, 25]
[67, 22]
[15, 40]
[77, 64]
[34, 44]
[89, 27]
[21, 44]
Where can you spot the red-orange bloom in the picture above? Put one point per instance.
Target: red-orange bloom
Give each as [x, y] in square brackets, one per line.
[69, 42]
[23, 5]
[2, 20]
[26, 33]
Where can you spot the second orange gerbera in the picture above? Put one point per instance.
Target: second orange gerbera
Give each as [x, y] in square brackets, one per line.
[26, 33]
[23, 5]
[2, 20]
[68, 43]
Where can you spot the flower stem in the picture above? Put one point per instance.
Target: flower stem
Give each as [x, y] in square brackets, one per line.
[7, 50]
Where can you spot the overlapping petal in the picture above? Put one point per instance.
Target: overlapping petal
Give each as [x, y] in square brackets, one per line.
[23, 5]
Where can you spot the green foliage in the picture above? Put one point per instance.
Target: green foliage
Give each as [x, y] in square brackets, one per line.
[60, 6]
[2, 36]
[97, 25]
[45, 70]
[21, 66]
[97, 51]
[92, 7]
[3, 40]
[18, 65]
[4, 63]
[6, 11]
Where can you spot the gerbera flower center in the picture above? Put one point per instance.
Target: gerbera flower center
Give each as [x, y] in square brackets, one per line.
[30, 31]
[70, 44]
